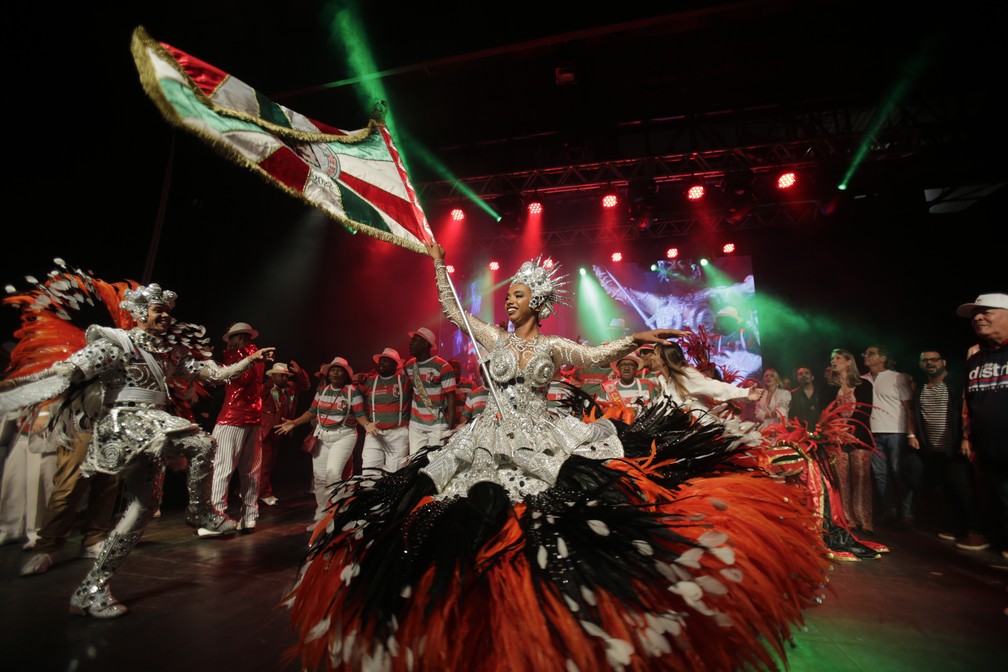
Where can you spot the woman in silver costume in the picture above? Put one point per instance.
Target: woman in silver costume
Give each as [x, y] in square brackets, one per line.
[524, 446]
[127, 374]
[534, 540]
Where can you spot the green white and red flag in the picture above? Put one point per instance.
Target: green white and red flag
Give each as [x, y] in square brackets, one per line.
[356, 177]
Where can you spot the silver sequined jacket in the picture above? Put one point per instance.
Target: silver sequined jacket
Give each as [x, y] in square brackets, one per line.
[133, 368]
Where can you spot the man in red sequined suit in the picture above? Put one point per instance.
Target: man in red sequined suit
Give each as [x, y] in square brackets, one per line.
[279, 403]
[237, 430]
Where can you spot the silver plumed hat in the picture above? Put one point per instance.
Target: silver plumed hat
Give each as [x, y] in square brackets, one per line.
[548, 287]
[138, 300]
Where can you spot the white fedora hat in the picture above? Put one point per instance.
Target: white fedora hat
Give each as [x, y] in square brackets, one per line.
[426, 334]
[278, 367]
[340, 362]
[240, 328]
[392, 354]
[632, 357]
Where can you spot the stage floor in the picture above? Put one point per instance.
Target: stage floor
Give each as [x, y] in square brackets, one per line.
[205, 604]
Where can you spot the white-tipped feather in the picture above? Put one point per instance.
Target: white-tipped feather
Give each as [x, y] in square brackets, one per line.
[318, 630]
[643, 547]
[711, 586]
[725, 554]
[691, 558]
[599, 528]
[349, 572]
[689, 590]
[562, 547]
[712, 539]
[732, 574]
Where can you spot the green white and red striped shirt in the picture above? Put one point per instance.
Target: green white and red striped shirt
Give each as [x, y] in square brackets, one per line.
[387, 400]
[335, 407]
[438, 379]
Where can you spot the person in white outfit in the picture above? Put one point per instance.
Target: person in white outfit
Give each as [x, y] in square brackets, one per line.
[773, 406]
[335, 411]
[688, 387]
[29, 467]
[388, 397]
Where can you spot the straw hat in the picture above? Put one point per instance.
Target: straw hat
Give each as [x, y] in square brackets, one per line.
[391, 354]
[340, 362]
[240, 328]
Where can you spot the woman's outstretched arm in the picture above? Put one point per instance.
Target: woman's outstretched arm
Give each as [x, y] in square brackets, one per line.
[485, 333]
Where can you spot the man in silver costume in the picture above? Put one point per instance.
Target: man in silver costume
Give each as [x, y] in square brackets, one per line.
[133, 430]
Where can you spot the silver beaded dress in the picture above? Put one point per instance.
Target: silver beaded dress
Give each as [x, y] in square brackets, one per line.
[536, 541]
[519, 444]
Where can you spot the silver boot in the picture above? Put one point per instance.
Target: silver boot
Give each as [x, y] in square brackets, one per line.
[92, 597]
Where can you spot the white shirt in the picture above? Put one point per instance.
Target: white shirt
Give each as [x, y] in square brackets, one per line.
[699, 385]
[773, 408]
[889, 390]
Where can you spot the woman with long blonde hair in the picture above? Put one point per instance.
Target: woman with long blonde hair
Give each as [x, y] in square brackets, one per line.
[853, 459]
[686, 385]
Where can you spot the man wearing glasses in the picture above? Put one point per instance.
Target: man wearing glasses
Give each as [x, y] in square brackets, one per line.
[892, 425]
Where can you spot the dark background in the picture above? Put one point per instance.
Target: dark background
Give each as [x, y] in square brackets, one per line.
[95, 175]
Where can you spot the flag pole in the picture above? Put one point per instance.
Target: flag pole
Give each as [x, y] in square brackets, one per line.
[468, 329]
[378, 114]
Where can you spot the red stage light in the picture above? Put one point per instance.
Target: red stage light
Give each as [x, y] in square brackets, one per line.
[672, 252]
[695, 192]
[786, 180]
[548, 263]
[617, 256]
[610, 201]
[535, 208]
[450, 268]
[728, 248]
[457, 215]
[494, 266]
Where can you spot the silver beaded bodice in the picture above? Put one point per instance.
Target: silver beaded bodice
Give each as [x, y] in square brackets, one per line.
[519, 444]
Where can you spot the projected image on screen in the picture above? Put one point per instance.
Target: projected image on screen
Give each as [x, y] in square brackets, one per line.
[682, 294]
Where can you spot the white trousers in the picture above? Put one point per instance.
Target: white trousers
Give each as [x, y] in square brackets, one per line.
[238, 449]
[25, 489]
[332, 452]
[386, 451]
[423, 436]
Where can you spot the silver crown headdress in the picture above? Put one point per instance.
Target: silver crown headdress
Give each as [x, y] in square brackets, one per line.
[138, 300]
[547, 287]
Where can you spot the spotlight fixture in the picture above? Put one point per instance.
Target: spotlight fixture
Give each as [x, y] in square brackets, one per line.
[450, 269]
[535, 208]
[672, 253]
[695, 190]
[617, 256]
[457, 214]
[728, 248]
[786, 180]
[494, 266]
[610, 200]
